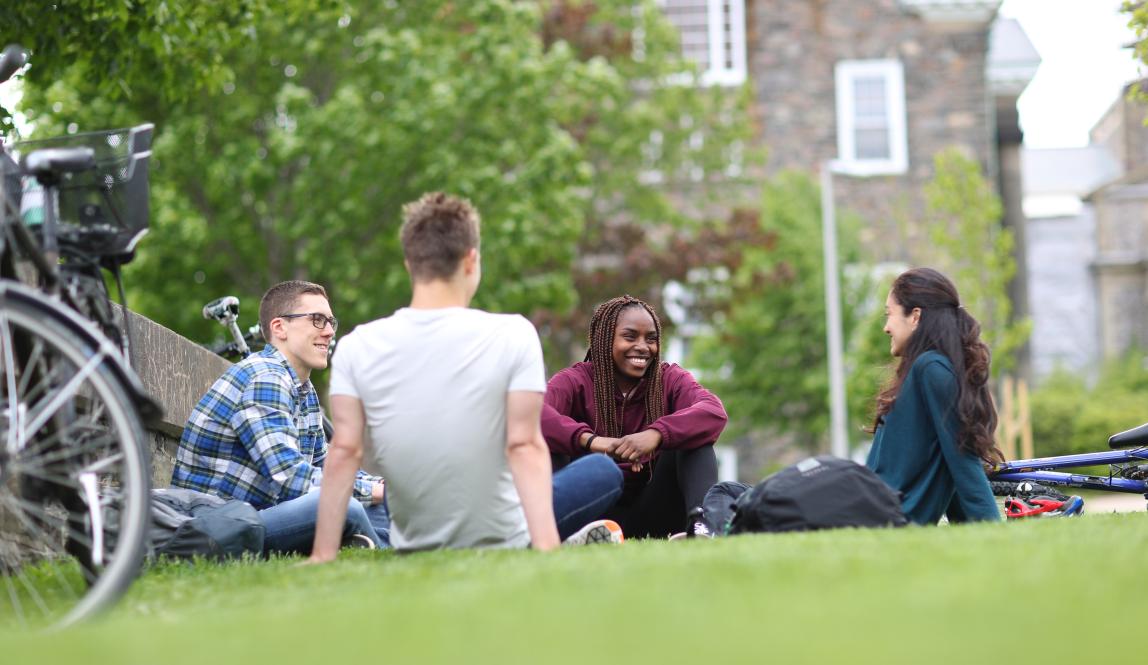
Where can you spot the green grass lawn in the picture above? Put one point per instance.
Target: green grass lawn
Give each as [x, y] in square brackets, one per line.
[1051, 591]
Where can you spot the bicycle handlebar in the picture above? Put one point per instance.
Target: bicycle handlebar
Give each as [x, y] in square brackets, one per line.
[222, 309]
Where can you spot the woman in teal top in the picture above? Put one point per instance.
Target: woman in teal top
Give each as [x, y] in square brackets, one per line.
[935, 420]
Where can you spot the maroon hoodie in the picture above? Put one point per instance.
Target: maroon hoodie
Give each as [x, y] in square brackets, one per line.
[694, 416]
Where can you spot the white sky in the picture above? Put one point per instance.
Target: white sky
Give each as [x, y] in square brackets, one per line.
[1083, 67]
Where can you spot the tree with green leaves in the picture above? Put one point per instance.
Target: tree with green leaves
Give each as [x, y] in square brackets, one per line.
[148, 53]
[766, 353]
[332, 116]
[968, 243]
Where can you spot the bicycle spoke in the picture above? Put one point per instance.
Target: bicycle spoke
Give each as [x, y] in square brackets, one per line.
[14, 598]
[62, 454]
[21, 509]
[34, 359]
[10, 383]
[65, 393]
[32, 593]
[51, 541]
[15, 504]
[56, 443]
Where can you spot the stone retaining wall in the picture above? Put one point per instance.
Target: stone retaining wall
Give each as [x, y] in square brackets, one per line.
[177, 372]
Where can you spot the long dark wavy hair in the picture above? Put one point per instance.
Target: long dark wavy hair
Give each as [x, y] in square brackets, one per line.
[600, 354]
[947, 327]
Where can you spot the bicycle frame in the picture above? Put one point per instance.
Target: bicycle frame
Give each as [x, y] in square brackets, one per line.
[1044, 470]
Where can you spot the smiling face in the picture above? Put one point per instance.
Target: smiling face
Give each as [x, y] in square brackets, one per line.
[304, 345]
[635, 345]
[899, 324]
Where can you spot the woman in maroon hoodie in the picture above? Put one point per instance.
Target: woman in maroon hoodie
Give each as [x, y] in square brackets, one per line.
[652, 417]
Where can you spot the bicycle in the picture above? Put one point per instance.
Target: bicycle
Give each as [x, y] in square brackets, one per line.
[225, 312]
[1127, 463]
[74, 457]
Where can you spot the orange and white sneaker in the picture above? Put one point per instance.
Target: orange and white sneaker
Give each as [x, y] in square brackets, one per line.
[600, 531]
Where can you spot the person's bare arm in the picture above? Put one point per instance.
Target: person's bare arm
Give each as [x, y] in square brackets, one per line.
[529, 461]
[343, 459]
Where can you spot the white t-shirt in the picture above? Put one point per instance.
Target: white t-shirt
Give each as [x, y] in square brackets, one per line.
[433, 384]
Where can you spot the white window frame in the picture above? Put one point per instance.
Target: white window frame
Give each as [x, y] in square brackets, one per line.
[718, 73]
[893, 73]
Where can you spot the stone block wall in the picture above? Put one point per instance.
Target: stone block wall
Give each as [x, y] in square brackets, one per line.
[177, 372]
[792, 49]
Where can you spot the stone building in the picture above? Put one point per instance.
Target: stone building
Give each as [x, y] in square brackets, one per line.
[1061, 244]
[879, 87]
[1120, 207]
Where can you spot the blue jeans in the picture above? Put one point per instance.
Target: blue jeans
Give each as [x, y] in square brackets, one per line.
[290, 526]
[584, 490]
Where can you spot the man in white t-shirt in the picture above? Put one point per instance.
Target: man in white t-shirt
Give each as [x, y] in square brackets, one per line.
[451, 397]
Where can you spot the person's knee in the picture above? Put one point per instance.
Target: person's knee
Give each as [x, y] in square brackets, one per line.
[355, 509]
[607, 469]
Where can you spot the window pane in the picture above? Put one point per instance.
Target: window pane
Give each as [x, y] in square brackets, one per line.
[872, 143]
[869, 97]
[691, 17]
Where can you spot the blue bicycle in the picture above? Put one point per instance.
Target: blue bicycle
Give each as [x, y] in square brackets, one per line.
[1025, 480]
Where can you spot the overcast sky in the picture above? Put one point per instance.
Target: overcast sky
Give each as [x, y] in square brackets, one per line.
[1083, 67]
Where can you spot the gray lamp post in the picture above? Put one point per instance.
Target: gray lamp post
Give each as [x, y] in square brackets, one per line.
[838, 436]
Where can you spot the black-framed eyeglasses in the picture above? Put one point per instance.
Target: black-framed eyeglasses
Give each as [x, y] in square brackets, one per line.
[318, 319]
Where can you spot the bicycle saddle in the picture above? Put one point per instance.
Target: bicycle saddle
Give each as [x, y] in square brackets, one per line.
[1137, 436]
[48, 164]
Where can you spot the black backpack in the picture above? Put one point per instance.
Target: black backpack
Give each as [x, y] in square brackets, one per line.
[821, 492]
[186, 523]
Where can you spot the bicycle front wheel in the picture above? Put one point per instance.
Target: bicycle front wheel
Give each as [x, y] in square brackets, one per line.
[74, 471]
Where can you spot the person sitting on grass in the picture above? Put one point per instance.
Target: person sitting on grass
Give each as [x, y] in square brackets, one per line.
[257, 435]
[452, 396]
[652, 417]
[934, 423]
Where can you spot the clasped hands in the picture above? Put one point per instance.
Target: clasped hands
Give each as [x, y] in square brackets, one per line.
[634, 448]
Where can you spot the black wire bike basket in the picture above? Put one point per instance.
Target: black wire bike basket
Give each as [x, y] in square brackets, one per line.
[103, 212]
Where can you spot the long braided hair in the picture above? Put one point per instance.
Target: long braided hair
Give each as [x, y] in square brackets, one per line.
[946, 326]
[607, 421]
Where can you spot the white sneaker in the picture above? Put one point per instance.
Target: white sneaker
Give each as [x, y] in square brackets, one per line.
[600, 531]
[359, 541]
[699, 529]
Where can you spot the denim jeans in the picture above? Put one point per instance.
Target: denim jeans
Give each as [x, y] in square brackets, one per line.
[291, 525]
[584, 490]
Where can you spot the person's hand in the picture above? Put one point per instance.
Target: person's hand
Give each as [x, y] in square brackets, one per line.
[378, 493]
[637, 448]
[604, 445]
[317, 557]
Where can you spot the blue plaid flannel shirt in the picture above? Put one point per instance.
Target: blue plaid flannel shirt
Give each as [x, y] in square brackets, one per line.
[257, 435]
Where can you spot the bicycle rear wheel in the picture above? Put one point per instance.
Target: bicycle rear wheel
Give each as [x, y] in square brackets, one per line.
[74, 471]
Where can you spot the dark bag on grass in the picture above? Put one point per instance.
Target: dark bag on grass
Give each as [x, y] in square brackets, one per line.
[821, 492]
[186, 523]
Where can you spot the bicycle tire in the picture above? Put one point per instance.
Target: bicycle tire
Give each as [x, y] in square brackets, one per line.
[74, 471]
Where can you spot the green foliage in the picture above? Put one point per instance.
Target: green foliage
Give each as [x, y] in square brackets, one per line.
[332, 115]
[967, 243]
[889, 596]
[1137, 12]
[145, 52]
[1068, 417]
[766, 353]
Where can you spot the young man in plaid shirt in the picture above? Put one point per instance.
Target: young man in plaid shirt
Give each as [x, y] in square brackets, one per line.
[257, 435]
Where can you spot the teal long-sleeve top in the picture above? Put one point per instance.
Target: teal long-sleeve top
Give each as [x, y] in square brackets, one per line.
[915, 450]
